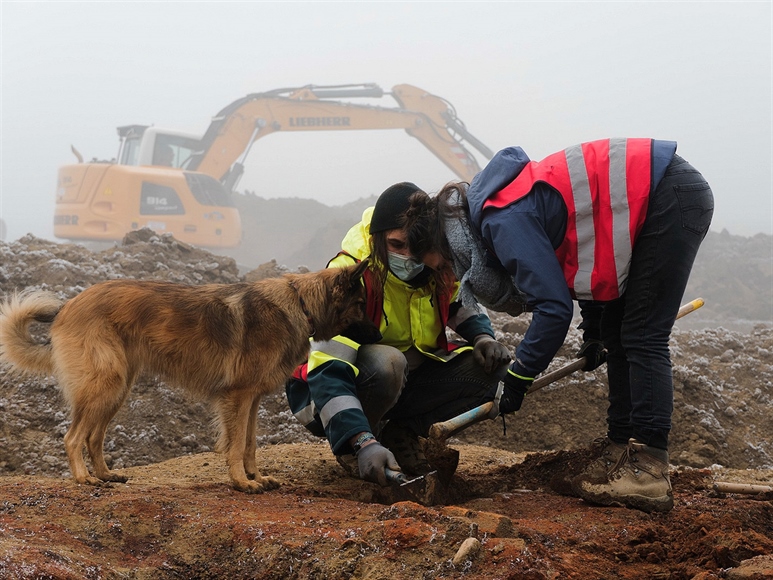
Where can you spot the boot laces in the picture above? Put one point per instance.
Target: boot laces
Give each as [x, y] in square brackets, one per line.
[628, 457]
[601, 447]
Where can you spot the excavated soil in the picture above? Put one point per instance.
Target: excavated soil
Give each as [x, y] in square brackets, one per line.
[505, 514]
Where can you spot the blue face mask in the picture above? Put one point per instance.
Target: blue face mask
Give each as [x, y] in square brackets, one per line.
[404, 267]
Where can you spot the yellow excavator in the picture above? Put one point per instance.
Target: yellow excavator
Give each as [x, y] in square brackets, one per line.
[181, 183]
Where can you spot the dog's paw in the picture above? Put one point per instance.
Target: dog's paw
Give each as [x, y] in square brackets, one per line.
[269, 483]
[258, 485]
[248, 486]
[115, 478]
[93, 481]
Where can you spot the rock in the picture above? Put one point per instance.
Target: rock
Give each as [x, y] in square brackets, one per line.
[727, 356]
[757, 568]
[467, 551]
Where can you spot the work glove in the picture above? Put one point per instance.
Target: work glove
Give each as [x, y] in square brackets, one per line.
[372, 460]
[595, 354]
[513, 393]
[489, 353]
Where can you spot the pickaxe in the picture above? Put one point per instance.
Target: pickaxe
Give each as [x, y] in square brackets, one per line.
[445, 460]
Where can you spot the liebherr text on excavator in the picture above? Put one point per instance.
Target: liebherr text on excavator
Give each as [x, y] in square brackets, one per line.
[182, 183]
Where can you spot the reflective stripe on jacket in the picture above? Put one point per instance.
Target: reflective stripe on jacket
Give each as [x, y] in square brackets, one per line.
[605, 186]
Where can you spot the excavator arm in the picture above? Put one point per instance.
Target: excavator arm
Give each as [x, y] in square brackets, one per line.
[190, 197]
[428, 118]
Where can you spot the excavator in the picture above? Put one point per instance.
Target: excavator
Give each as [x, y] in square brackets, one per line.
[176, 182]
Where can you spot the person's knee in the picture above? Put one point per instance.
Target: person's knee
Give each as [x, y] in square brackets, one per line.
[382, 375]
[386, 366]
[395, 372]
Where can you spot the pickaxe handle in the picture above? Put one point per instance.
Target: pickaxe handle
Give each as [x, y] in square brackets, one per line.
[576, 365]
[442, 431]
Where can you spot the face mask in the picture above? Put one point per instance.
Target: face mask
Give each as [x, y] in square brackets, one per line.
[404, 267]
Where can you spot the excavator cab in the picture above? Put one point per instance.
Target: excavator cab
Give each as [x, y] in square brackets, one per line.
[143, 145]
[147, 187]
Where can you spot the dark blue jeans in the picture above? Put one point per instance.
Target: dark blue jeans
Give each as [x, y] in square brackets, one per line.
[636, 327]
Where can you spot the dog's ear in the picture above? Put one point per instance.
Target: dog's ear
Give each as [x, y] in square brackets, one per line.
[360, 269]
[348, 279]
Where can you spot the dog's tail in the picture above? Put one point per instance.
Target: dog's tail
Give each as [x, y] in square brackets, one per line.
[18, 348]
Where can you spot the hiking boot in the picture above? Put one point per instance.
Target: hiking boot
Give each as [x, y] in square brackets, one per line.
[607, 454]
[406, 448]
[639, 480]
[349, 464]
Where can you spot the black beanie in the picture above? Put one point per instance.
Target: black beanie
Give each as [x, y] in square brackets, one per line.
[391, 205]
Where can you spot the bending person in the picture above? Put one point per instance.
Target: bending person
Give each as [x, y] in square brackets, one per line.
[615, 224]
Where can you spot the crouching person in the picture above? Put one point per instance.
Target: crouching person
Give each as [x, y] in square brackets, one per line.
[372, 400]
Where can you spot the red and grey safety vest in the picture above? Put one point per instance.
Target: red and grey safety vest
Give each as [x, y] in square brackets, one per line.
[606, 187]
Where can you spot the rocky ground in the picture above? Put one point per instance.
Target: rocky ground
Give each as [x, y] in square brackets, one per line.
[178, 517]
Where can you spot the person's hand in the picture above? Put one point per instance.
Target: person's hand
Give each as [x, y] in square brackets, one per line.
[372, 459]
[595, 354]
[489, 353]
[513, 393]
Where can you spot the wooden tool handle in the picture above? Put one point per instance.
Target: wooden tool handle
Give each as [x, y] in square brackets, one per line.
[442, 431]
[727, 487]
[568, 369]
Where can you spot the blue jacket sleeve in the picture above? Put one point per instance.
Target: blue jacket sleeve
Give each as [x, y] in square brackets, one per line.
[524, 236]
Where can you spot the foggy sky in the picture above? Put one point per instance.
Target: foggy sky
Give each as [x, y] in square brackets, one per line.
[536, 74]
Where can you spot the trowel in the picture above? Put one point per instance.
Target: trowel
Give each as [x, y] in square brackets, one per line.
[424, 489]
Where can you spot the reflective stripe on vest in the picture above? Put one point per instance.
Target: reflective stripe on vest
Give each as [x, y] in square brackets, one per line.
[605, 186]
[338, 348]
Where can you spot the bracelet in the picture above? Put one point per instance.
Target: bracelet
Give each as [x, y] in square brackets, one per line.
[362, 439]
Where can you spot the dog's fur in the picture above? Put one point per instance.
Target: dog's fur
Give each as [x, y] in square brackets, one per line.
[228, 343]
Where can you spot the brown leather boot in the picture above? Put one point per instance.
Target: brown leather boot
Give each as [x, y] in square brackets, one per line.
[638, 480]
[607, 455]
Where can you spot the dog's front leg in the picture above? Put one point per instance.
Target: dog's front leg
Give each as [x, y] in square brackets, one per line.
[235, 410]
[251, 444]
[251, 448]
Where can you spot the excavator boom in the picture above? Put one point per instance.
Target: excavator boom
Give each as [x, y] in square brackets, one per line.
[428, 118]
[180, 183]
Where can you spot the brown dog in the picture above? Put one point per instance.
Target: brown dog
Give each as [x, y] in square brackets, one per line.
[228, 343]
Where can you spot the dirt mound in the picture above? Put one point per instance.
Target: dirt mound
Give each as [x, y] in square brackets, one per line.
[181, 519]
[178, 517]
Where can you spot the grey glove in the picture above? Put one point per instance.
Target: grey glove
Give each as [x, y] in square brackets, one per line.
[372, 459]
[489, 353]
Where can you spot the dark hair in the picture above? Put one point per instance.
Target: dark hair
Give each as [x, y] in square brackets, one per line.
[379, 256]
[379, 250]
[425, 216]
